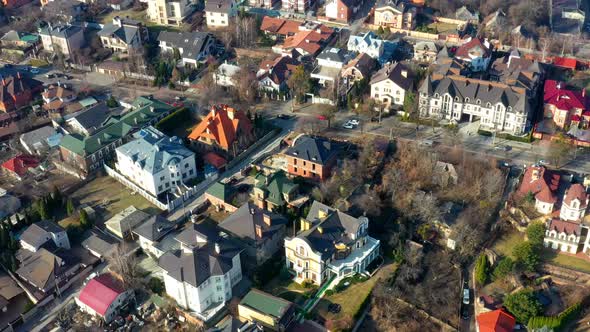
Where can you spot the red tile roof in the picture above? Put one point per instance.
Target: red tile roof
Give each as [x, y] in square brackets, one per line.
[565, 62]
[576, 191]
[541, 182]
[278, 69]
[100, 293]
[21, 164]
[555, 94]
[495, 321]
[271, 24]
[463, 50]
[308, 41]
[214, 160]
[289, 28]
[221, 128]
[567, 227]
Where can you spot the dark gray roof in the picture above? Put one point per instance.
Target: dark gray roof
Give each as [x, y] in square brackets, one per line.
[36, 233]
[243, 222]
[154, 228]
[94, 117]
[125, 32]
[334, 54]
[8, 205]
[192, 43]
[336, 227]
[395, 72]
[99, 243]
[314, 149]
[189, 235]
[62, 31]
[232, 324]
[218, 6]
[203, 261]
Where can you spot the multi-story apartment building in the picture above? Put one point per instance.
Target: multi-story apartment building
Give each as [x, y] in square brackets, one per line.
[297, 6]
[156, 162]
[331, 244]
[62, 38]
[397, 14]
[201, 274]
[219, 12]
[169, 12]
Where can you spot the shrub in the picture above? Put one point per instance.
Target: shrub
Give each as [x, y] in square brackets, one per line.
[329, 292]
[526, 256]
[173, 120]
[504, 267]
[523, 305]
[481, 269]
[556, 322]
[156, 285]
[536, 233]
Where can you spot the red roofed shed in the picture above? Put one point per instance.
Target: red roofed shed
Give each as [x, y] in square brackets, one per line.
[19, 165]
[495, 321]
[568, 63]
[103, 296]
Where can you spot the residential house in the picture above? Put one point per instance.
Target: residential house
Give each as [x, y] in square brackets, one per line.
[311, 157]
[542, 184]
[563, 235]
[19, 43]
[276, 192]
[331, 244]
[309, 39]
[220, 195]
[273, 74]
[62, 38]
[40, 140]
[151, 231]
[566, 17]
[57, 97]
[499, 106]
[342, 10]
[155, 162]
[169, 12]
[425, 51]
[88, 153]
[120, 4]
[20, 165]
[268, 4]
[297, 6]
[368, 43]
[574, 203]
[17, 91]
[515, 70]
[329, 63]
[100, 244]
[467, 15]
[201, 274]
[218, 13]
[226, 75]
[565, 106]
[231, 323]
[278, 28]
[9, 204]
[496, 21]
[259, 232]
[224, 128]
[10, 124]
[123, 223]
[13, 302]
[38, 234]
[269, 311]
[88, 121]
[123, 35]
[390, 84]
[214, 164]
[193, 47]
[357, 69]
[104, 296]
[495, 321]
[11, 4]
[477, 52]
[397, 14]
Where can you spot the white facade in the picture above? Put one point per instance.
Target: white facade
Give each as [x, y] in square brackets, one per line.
[216, 19]
[60, 239]
[226, 75]
[150, 246]
[168, 12]
[543, 207]
[54, 41]
[187, 57]
[368, 43]
[562, 241]
[112, 310]
[388, 93]
[210, 296]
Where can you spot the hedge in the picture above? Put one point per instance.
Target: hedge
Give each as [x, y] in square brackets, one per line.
[556, 322]
[526, 139]
[174, 119]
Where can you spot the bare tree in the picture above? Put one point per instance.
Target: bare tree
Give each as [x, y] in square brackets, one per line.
[60, 12]
[246, 31]
[370, 202]
[125, 264]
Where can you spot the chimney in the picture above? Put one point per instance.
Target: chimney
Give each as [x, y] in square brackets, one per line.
[252, 211]
[267, 219]
[584, 93]
[160, 228]
[99, 141]
[152, 109]
[217, 248]
[135, 120]
[18, 75]
[258, 231]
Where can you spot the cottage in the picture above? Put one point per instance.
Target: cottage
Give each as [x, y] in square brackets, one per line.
[276, 192]
[193, 47]
[342, 10]
[425, 51]
[368, 43]
[542, 184]
[20, 165]
[397, 14]
[495, 321]
[390, 83]
[123, 35]
[273, 74]
[123, 223]
[103, 296]
[477, 52]
[565, 106]
[218, 13]
[151, 231]
[62, 38]
[17, 91]
[38, 234]
[40, 140]
[311, 157]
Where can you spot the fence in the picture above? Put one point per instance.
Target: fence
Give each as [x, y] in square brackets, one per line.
[252, 147]
[111, 172]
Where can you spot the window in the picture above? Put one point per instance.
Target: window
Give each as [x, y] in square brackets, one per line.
[167, 185]
[190, 172]
[313, 167]
[159, 188]
[161, 178]
[304, 163]
[219, 288]
[186, 165]
[183, 175]
[295, 169]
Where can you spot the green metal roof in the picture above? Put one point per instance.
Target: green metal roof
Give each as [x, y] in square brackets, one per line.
[89, 101]
[219, 190]
[117, 127]
[278, 185]
[266, 303]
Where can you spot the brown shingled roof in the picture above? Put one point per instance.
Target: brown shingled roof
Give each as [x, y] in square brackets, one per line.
[541, 182]
[576, 191]
[567, 227]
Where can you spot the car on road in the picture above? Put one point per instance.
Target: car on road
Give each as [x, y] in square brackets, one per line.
[284, 116]
[466, 297]
[465, 312]
[502, 147]
[427, 142]
[50, 75]
[34, 70]
[348, 125]
[544, 162]
[334, 308]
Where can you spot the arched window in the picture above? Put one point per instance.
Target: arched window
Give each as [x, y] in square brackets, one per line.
[478, 102]
[467, 99]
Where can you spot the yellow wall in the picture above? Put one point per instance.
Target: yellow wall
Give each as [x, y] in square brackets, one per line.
[249, 314]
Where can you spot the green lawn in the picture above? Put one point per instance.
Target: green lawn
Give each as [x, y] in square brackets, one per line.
[110, 197]
[287, 289]
[72, 220]
[507, 242]
[38, 63]
[140, 15]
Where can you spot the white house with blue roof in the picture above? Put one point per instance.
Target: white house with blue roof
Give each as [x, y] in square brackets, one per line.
[155, 162]
[368, 43]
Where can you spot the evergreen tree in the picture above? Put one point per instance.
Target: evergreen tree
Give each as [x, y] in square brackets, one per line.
[84, 222]
[56, 197]
[481, 269]
[4, 240]
[70, 207]
[42, 208]
[112, 102]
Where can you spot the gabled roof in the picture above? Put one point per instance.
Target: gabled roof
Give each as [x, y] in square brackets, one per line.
[541, 182]
[278, 70]
[125, 30]
[126, 220]
[222, 125]
[275, 185]
[60, 31]
[20, 164]
[92, 118]
[243, 222]
[495, 321]
[562, 98]
[266, 304]
[576, 192]
[567, 227]
[100, 293]
[271, 24]
[363, 63]
[16, 85]
[155, 228]
[397, 73]
[315, 149]
[220, 190]
[214, 160]
[475, 46]
[99, 243]
[191, 43]
[35, 235]
[333, 54]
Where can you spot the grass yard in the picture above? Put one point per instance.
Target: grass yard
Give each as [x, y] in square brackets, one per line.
[140, 15]
[38, 63]
[72, 220]
[507, 242]
[443, 27]
[109, 197]
[287, 289]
